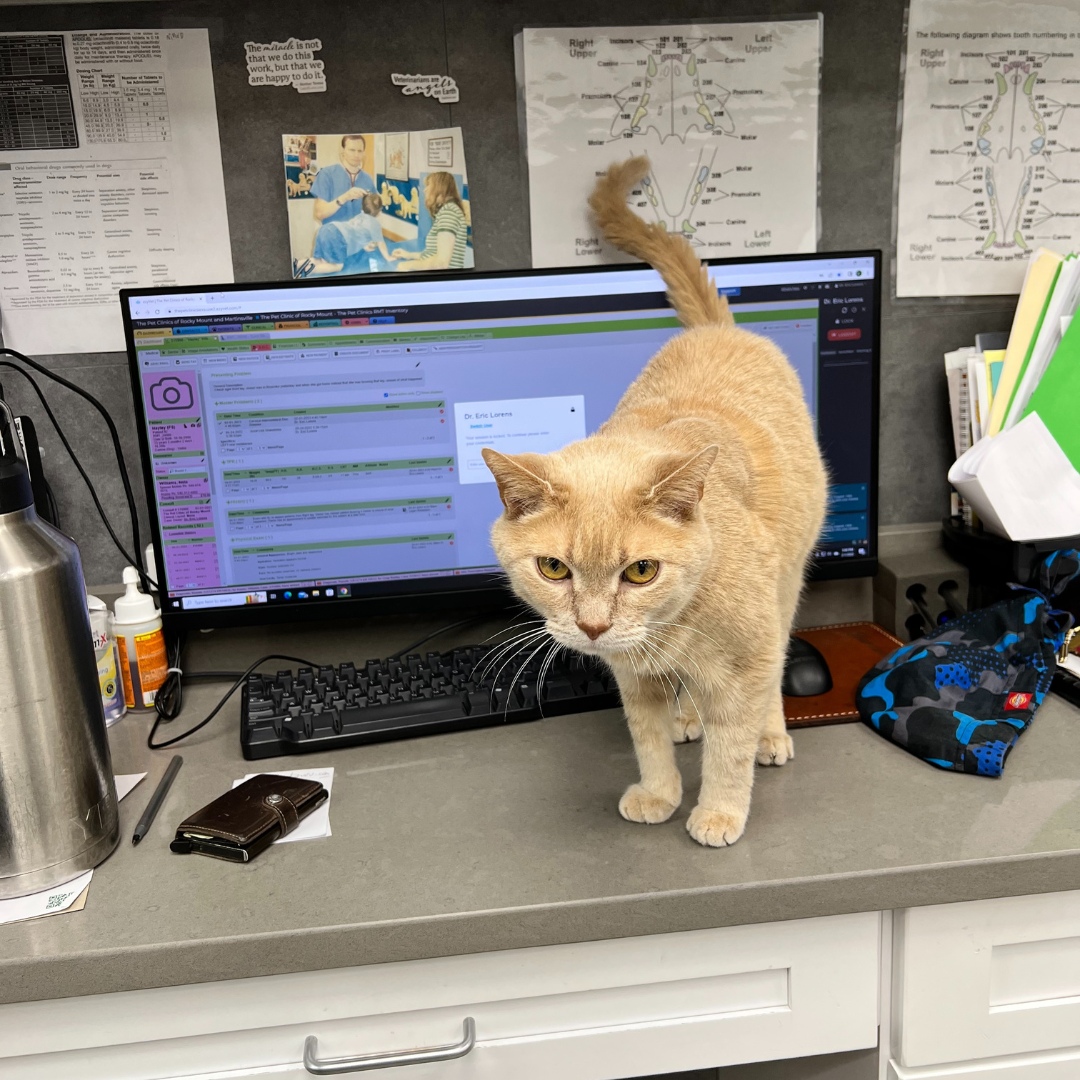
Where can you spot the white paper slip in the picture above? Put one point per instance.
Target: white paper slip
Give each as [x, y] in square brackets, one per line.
[1020, 483]
[316, 825]
[50, 902]
[127, 782]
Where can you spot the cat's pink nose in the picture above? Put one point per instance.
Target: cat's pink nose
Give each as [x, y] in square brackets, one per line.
[593, 630]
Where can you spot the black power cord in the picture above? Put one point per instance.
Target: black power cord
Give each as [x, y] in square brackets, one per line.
[218, 707]
[437, 633]
[137, 560]
[169, 700]
[82, 472]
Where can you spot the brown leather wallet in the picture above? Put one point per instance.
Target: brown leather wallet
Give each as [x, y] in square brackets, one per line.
[247, 820]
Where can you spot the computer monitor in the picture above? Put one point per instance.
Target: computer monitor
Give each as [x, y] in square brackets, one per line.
[313, 447]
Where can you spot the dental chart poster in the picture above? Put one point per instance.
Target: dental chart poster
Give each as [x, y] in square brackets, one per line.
[366, 203]
[110, 178]
[990, 143]
[727, 114]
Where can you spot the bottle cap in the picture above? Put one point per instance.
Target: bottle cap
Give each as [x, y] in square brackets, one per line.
[134, 606]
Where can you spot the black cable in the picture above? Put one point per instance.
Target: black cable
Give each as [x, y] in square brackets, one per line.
[169, 699]
[218, 707]
[437, 633]
[950, 593]
[54, 506]
[137, 562]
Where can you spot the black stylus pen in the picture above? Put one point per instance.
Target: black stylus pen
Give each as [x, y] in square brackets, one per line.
[154, 805]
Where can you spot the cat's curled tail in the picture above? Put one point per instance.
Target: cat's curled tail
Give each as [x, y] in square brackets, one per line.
[692, 294]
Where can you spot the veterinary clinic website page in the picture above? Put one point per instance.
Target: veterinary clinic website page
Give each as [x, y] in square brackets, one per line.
[296, 451]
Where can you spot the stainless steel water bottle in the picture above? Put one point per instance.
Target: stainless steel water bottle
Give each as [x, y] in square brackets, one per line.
[58, 812]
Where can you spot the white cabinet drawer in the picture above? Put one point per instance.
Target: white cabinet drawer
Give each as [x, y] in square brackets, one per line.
[595, 1011]
[1052, 1065]
[987, 979]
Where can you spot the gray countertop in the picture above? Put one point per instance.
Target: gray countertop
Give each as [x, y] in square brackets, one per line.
[509, 837]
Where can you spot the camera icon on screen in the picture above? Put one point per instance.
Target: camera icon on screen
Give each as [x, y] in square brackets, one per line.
[170, 394]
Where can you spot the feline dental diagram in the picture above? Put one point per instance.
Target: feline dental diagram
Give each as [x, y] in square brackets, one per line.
[726, 113]
[671, 98]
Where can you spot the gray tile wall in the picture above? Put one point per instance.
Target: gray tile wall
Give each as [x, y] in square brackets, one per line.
[473, 42]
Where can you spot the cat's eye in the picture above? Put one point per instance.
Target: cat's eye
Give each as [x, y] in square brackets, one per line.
[641, 572]
[553, 569]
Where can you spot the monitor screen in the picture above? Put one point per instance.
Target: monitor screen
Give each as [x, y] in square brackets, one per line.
[313, 444]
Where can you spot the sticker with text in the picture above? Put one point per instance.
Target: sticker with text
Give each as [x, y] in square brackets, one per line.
[286, 63]
[442, 87]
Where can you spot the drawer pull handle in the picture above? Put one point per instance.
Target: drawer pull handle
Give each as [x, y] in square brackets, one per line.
[331, 1066]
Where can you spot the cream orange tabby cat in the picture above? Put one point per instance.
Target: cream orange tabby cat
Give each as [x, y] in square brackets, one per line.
[672, 542]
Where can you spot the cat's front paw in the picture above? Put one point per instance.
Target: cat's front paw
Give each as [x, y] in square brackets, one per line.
[714, 828]
[775, 750]
[686, 729]
[643, 806]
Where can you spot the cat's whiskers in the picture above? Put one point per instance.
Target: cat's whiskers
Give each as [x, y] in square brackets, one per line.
[684, 626]
[662, 656]
[502, 649]
[545, 667]
[664, 639]
[517, 674]
[661, 670]
[508, 650]
[516, 624]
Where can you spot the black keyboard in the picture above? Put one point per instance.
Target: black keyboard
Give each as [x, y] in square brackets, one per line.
[323, 708]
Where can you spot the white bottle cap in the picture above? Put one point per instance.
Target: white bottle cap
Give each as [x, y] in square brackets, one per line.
[134, 606]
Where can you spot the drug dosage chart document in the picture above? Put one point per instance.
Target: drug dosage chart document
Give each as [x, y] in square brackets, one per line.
[110, 177]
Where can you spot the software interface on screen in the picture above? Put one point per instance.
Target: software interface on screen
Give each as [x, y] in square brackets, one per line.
[308, 442]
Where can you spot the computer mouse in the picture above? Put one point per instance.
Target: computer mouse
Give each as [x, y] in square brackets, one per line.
[806, 674]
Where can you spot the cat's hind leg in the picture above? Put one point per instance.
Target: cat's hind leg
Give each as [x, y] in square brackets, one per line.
[648, 703]
[775, 746]
[686, 722]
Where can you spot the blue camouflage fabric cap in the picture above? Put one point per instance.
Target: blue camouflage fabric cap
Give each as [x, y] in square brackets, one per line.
[960, 697]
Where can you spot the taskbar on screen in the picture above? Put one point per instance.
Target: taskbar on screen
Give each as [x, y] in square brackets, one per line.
[298, 592]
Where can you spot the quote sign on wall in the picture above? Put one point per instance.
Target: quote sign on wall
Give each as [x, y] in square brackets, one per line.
[441, 87]
[286, 63]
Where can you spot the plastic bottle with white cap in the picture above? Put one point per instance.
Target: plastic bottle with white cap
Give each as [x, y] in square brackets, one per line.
[141, 643]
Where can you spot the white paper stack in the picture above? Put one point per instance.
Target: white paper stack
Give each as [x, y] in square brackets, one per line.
[1020, 483]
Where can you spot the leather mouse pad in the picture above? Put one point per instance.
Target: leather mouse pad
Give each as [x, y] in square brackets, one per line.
[850, 650]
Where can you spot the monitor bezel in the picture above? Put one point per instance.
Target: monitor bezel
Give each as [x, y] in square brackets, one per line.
[479, 592]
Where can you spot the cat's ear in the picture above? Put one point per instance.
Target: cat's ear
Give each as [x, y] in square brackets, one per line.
[523, 484]
[679, 482]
